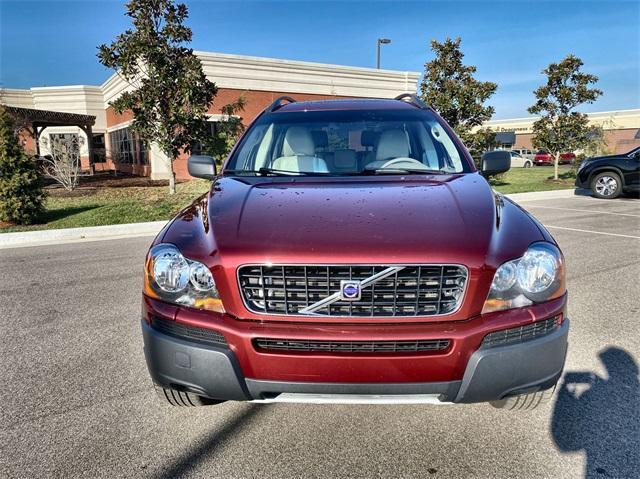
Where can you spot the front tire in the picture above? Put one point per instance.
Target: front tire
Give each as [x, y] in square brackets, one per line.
[606, 185]
[527, 164]
[177, 398]
[524, 402]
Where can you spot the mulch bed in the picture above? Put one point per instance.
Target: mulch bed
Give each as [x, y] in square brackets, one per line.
[90, 184]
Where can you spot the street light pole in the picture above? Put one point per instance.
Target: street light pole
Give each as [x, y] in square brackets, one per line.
[381, 41]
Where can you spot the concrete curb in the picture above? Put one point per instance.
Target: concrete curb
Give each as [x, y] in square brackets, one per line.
[76, 235]
[132, 230]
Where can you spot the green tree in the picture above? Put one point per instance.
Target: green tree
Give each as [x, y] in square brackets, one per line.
[228, 130]
[560, 128]
[449, 86]
[169, 93]
[21, 195]
[483, 139]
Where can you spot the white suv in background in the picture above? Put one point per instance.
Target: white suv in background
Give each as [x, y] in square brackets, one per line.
[525, 153]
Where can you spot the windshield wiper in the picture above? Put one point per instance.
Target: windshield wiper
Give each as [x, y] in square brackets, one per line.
[275, 171]
[403, 171]
[264, 171]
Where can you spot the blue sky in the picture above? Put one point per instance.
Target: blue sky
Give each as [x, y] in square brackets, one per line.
[54, 42]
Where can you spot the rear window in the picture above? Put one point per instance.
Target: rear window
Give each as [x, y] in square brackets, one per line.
[348, 143]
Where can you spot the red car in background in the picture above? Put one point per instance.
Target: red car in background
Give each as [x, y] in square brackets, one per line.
[544, 158]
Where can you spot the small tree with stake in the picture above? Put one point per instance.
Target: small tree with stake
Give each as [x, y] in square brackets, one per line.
[169, 93]
[560, 128]
[450, 88]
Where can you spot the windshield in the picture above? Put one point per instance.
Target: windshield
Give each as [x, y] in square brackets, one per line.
[351, 142]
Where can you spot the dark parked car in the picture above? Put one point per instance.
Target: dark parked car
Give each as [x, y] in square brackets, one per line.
[609, 176]
[350, 251]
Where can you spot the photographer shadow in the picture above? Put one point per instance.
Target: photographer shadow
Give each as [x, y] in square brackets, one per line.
[601, 416]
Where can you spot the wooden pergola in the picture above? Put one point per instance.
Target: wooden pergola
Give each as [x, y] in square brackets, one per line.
[35, 121]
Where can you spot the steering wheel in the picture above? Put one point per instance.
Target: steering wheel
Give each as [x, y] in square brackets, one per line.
[403, 162]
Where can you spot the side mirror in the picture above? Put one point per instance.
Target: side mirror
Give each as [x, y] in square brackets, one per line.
[495, 162]
[202, 166]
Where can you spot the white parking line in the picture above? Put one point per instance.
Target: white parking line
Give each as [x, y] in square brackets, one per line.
[594, 200]
[593, 232]
[582, 198]
[584, 211]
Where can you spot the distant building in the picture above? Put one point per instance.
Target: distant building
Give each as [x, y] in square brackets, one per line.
[84, 110]
[622, 130]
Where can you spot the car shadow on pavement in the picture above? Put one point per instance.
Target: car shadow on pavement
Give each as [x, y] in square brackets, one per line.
[601, 416]
[187, 463]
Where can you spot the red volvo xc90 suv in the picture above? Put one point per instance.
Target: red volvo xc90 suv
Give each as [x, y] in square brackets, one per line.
[349, 251]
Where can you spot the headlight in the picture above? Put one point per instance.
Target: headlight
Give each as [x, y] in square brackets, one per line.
[171, 277]
[537, 276]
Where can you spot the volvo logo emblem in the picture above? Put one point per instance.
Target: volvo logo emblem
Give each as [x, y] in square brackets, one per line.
[350, 290]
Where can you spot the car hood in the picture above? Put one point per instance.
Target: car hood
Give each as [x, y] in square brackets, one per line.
[452, 219]
[605, 157]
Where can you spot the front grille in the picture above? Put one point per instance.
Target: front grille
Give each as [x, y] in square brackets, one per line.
[415, 290]
[306, 345]
[522, 333]
[201, 335]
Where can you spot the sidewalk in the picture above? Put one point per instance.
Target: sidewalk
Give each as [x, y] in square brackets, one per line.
[132, 230]
[75, 235]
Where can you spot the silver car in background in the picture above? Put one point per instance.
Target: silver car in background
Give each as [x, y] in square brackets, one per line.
[520, 161]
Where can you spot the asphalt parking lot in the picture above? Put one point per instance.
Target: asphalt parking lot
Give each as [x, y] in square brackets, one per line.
[77, 400]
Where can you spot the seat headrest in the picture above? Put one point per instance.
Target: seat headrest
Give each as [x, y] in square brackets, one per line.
[320, 138]
[298, 142]
[345, 160]
[392, 144]
[368, 138]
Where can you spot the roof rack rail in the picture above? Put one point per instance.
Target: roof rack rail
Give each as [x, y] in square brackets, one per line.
[414, 100]
[278, 103]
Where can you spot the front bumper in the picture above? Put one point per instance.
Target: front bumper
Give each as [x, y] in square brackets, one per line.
[490, 374]
[582, 181]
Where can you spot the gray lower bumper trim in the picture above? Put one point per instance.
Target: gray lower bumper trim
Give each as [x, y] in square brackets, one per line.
[205, 370]
[491, 373]
[494, 373]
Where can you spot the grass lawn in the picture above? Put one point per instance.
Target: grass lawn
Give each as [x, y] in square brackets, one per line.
[115, 201]
[520, 180]
[101, 201]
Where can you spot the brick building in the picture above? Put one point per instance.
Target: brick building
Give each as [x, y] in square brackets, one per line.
[261, 80]
[621, 129]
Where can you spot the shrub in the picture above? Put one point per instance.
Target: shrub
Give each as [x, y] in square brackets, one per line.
[21, 195]
[63, 165]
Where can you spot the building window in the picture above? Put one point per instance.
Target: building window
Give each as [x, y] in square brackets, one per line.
[99, 152]
[126, 147]
[122, 146]
[144, 154]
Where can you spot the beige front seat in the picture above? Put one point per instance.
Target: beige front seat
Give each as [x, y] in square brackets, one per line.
[298, 152]
[392, 144]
